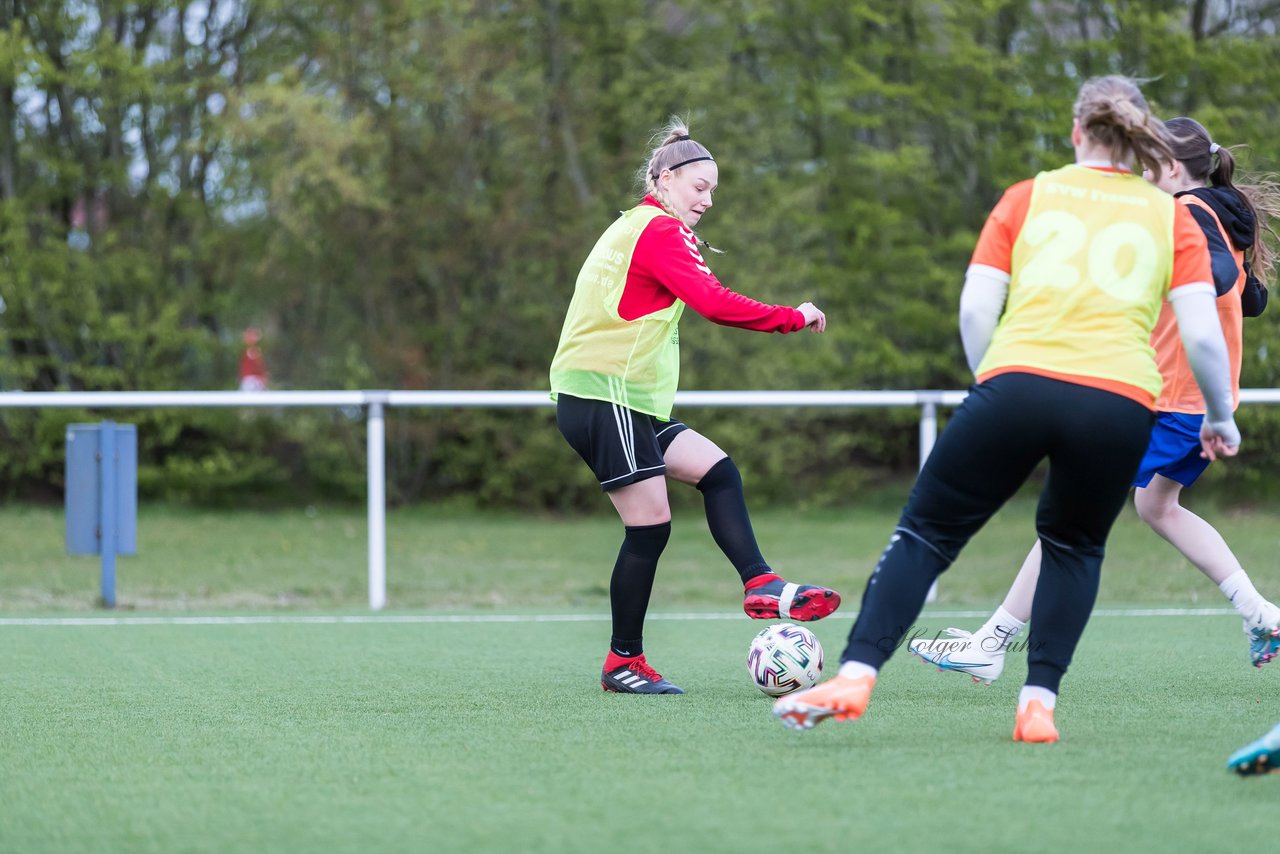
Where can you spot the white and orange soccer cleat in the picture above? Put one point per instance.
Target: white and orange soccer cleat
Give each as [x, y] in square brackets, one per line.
[1035, 724]
[843, 698]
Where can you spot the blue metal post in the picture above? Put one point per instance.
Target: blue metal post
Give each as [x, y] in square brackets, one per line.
[107, 462]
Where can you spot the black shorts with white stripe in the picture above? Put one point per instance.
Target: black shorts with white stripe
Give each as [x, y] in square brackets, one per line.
[620, 445]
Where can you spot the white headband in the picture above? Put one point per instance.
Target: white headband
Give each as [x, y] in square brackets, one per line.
[1213, 147]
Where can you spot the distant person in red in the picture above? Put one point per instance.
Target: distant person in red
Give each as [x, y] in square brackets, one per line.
[253, 369]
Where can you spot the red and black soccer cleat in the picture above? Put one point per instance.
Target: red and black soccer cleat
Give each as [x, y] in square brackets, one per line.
[769, 597]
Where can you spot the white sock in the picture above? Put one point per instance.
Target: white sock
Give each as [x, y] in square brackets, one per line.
[1240, 591]
[1035, 692]
[856, 669]
[1002, 628]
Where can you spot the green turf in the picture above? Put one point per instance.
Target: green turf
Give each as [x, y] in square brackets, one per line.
[441, 559]
[495, 737]
[463, 736]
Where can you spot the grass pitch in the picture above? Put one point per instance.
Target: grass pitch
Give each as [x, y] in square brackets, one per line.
[443, 559]
[494, 736]
[242, 698]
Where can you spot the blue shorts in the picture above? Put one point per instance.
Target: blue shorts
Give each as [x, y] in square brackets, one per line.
[1174, 451]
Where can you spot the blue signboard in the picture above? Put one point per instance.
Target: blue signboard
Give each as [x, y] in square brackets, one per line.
[102, 495]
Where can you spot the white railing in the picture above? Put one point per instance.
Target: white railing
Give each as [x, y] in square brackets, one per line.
[375, 403]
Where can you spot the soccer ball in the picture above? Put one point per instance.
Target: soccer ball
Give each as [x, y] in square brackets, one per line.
[783, 658]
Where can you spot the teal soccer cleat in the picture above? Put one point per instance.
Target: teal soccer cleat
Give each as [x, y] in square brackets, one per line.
[1264, 642]
[1258, 757]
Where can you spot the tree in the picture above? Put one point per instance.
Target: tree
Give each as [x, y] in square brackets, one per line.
[401, 192]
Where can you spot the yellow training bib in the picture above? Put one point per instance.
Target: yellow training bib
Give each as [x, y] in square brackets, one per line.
[1090, 269]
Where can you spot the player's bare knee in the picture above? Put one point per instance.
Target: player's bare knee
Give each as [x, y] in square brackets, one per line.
[1156, 514]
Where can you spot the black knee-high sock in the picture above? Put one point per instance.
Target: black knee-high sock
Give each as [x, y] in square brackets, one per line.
[726, 508]
[631, 584]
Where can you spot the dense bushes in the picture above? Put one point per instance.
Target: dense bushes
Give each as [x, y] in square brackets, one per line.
[401, 194]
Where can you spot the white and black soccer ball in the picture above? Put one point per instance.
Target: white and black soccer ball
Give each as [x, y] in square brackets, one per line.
[783, 658]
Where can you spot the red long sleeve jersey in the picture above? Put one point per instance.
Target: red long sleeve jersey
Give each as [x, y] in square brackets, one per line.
[667, 266]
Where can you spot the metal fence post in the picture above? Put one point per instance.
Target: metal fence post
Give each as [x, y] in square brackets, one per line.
[107, 480]
[928, 430]
[928, 436]
[376, 437]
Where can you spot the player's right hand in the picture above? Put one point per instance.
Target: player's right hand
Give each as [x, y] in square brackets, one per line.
[814, 319]
[1219, 439]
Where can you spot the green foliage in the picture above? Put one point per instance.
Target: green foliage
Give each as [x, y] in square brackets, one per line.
[504, 459]
[400, 195]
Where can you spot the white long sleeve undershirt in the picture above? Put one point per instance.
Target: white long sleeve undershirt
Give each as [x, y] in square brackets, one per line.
[1200, 329]
[981, 304]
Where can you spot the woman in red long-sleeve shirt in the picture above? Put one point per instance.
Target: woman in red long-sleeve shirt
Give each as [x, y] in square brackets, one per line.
[614, 378]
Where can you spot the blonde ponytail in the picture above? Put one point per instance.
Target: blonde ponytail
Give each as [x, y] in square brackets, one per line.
[1113, 113]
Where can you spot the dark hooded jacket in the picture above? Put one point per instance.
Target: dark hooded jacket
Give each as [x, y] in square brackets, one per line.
[1238, 222]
